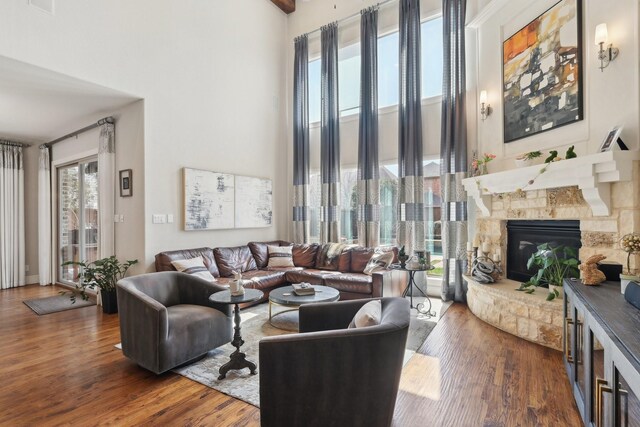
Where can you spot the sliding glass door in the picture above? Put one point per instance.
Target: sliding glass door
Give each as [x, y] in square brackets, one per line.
[77, 216]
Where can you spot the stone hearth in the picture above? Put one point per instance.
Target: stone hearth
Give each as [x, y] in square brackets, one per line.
[528, 316]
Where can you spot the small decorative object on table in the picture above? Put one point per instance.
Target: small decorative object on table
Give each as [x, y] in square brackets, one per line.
[235, 286]
[590, 273]
[402, 257]
[630, 243]
[303, 289]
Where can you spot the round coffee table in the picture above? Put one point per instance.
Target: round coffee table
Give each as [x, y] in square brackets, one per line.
[238, 359]
[285, 297]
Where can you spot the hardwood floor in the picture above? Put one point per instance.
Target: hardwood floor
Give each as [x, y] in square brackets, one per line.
[62, 368]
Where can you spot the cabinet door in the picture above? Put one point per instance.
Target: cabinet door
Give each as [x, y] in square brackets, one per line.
[627, 402]
[601, 395]
[580, 353]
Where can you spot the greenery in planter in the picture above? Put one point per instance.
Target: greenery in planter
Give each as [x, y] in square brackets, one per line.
[530, 155]
[103, 273]
[554, 264]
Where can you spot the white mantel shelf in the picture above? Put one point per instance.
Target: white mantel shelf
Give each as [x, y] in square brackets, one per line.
[593, 174]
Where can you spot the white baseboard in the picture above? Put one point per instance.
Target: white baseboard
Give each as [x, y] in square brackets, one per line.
[30, 280]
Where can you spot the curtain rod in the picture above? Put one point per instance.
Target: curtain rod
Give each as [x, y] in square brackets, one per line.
[347, 18]
[79, 131]
[14, 143]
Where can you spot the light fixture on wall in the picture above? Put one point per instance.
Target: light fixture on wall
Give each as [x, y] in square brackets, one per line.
[485, 109]
[608, 54]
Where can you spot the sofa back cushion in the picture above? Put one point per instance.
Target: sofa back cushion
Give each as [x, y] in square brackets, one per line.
[260, 252]
[304, 255]
[164, 259]
[334, 257]
[237, 259]
[360, 256]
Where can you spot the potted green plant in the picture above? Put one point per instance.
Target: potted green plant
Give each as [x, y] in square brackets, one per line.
[554, 263]
[630, 243]
[103, 274]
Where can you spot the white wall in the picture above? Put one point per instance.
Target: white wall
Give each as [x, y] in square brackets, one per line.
[211, 75]
[610, 97]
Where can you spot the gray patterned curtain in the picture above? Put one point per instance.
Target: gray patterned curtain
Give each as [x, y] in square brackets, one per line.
[301, 140]
[453, 151]
[368, 168]
[330, 136]
[410, 191]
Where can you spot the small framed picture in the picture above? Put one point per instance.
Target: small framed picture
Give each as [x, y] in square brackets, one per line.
[611, 140]
[126, 188]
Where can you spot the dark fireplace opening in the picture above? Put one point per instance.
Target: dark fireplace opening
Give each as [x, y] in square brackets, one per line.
[523, 238]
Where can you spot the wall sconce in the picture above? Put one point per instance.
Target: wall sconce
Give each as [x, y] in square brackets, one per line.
[485, 109]
[605, 55]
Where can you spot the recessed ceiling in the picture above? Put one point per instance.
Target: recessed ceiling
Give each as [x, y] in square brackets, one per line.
[39, 105]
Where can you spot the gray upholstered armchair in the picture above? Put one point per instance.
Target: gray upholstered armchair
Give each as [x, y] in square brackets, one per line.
[329, 375]
[166, 319]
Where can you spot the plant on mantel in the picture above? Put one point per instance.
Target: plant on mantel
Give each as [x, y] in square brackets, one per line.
[553, 157]
[554, 263]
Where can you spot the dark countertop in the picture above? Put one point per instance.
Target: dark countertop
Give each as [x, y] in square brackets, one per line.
[619, 319]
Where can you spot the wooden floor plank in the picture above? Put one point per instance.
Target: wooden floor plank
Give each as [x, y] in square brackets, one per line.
[62, 369]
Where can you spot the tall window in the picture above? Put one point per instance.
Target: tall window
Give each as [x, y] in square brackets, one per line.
[388, 71]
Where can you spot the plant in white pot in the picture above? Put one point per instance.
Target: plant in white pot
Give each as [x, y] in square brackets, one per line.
[554, 263]
[103, 274]
[630, 243]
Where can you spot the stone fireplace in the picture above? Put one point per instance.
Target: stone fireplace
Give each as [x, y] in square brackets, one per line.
[600, 194]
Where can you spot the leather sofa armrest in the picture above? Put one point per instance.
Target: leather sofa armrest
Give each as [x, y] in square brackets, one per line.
[329, 315]
[196, 291]
[377, 285]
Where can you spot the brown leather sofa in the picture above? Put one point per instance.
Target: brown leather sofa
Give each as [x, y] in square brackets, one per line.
[346, 276]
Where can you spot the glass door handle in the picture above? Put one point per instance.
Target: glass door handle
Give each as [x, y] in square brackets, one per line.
[601, 388]
[567, 340]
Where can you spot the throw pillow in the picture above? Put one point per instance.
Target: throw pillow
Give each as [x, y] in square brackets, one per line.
[329, 255]
[379, 261]
[280, 256]
[369, 314]
[195, 267]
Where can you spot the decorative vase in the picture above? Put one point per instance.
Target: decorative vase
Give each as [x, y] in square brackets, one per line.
[109, 301]
[403, 260]
[483, 169]
[625, 279]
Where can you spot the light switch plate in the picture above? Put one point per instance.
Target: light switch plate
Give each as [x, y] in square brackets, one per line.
[116, 218]
[121, 218]
[159, 219]
[170, 219]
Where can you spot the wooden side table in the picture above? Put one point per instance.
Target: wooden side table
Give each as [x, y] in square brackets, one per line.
[238, 359]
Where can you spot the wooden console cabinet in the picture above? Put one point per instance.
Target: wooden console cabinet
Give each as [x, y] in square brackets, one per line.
[601, 344]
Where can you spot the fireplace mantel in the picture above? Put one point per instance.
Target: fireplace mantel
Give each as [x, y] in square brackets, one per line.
[593, 174]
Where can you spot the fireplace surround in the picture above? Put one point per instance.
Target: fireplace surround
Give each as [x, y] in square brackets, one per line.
[524, 237]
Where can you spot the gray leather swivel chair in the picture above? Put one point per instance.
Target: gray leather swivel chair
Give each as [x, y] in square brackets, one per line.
[167, 320]
[329, 375]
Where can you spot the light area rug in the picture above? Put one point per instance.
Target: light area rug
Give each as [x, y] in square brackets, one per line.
[244, 386]
[55, 304]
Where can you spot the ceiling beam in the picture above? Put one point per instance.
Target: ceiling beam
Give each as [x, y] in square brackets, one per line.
[287, 6]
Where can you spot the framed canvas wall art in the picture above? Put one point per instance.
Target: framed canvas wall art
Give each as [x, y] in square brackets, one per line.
[542, 73]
